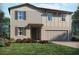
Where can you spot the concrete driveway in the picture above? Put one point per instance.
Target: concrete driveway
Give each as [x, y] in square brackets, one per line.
[70, 43]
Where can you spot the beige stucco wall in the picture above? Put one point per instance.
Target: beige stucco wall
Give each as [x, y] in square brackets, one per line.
[34, 17]
[56, 24]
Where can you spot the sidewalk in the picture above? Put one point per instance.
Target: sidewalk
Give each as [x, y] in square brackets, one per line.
[70, 44]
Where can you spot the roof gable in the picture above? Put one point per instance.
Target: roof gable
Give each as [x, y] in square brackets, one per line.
[30, 5]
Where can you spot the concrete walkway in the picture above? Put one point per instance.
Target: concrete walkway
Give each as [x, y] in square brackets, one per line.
[70, 44]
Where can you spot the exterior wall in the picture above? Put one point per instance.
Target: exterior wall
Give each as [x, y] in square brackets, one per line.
[56, 24]
[34, 16]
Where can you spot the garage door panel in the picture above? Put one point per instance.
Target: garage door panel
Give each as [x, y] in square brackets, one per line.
[57, 35]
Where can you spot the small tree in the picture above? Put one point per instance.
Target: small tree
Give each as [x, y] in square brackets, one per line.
[76, 15]
[1, 18]
[75, 22]
[1, 34]
[6, 27]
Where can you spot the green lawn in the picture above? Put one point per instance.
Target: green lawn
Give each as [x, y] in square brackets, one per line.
[37, 49]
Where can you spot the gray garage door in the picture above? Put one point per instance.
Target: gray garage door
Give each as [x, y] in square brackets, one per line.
[60, 35]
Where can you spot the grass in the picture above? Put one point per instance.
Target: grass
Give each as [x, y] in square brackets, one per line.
[37, 49]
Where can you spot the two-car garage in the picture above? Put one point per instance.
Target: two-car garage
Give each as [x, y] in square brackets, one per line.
[60, 35]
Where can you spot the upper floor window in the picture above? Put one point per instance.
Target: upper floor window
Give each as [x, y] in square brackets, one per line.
[50, 16]
[63, 16]
[20, 15]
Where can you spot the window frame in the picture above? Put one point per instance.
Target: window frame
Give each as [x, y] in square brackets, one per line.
[20, 15]
[21, 31]
[63, 17]
[50, 16]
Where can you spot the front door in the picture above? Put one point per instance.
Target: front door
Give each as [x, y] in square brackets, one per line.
[36, 33]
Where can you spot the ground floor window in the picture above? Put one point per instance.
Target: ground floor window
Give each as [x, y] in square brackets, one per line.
[20, 31]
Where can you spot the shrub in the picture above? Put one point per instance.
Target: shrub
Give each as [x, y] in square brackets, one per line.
[24, 40]
[43, 41]
[2, 42]
[7, 43]
[27, 40]
[18, 41]
[74, 39]
[12, 40]
[35, 41]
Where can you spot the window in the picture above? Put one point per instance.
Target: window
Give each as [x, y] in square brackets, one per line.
[50, 16]
[20, 15]
[20, 31]
[63, 17]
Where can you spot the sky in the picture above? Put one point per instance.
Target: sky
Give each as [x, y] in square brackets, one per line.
[60, 6]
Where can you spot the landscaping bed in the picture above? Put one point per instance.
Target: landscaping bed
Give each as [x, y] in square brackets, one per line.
[38, 49]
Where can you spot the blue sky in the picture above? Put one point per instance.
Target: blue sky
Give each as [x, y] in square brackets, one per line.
[61, 6]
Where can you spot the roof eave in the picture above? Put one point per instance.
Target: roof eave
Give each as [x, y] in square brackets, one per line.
[38, 8]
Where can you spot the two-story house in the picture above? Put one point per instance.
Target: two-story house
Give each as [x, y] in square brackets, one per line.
[29, 21]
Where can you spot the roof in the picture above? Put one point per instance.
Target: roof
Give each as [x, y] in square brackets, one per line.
[38, 8]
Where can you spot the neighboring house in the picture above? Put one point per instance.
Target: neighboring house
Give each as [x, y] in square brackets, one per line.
[29, 21]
